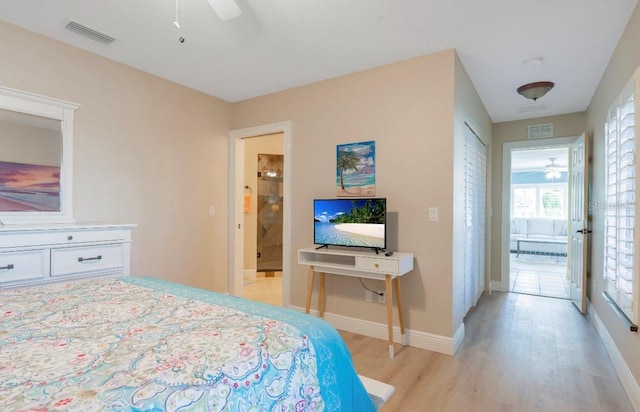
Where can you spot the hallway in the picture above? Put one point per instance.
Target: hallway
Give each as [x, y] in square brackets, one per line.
[520, 353]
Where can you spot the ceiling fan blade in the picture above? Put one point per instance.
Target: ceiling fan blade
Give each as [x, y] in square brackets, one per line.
[225, 9]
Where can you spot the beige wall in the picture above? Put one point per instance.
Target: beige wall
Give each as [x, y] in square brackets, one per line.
[268, 144]
[623, 63]
[407, 108]
[568, 125]
[146, 151]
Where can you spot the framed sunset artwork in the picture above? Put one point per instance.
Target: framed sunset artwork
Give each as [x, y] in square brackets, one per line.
[356, 169]
[29, 187]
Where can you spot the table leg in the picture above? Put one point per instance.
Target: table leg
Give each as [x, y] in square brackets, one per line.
[396, 284]
[321, 296]
[310, 279]
[387, 282]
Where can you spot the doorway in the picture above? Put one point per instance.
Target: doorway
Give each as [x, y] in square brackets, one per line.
[535, 217]
[263, 217]
[243, 183]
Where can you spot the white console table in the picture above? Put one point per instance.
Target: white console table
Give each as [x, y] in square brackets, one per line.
[39, 254]
[362, 264]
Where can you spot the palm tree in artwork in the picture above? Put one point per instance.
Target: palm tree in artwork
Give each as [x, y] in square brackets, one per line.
[346, 160]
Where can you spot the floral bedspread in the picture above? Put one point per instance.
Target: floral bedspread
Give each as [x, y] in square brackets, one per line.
[143, 344]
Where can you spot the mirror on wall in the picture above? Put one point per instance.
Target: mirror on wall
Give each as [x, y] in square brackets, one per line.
[36, 137]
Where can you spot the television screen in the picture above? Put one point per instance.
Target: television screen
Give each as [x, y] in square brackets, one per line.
[350, 222]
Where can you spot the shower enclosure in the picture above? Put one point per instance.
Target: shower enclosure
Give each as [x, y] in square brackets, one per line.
[269, 210]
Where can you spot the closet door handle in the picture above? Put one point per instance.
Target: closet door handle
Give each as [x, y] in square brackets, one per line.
[8, 267]
[81, 259]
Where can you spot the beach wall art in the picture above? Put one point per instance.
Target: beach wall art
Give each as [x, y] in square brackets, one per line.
[29, 187]
[356, 169]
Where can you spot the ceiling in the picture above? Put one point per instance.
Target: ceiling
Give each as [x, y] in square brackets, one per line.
[278, 44]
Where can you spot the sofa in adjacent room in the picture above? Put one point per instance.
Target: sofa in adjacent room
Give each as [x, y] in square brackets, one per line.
[538, 236]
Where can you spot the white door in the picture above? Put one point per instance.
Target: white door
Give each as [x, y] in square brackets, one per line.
[578, 226]
[475, 189]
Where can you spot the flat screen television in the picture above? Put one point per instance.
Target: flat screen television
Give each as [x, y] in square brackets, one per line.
[350, 222]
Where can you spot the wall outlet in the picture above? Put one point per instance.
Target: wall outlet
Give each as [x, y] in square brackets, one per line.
[368, 296]
[382, 296]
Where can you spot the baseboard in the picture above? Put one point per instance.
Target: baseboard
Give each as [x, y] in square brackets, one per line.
[416, 339]
[624, 373]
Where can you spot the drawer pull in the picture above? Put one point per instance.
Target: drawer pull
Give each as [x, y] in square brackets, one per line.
[69, 237]
[8, 267]
[81, 259]
[376, 265]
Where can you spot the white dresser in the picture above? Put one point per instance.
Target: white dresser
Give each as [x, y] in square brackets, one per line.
[38, 254]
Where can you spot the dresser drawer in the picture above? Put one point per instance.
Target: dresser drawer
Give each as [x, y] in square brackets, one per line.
[61, 237]
[374, 264]
[24, 265]
[86, 260]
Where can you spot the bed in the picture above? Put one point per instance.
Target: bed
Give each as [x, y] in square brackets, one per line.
[144, 344]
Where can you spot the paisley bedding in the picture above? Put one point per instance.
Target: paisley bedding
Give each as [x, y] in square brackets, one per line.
[143, 344]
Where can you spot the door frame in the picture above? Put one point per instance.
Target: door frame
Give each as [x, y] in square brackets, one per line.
[505, 228]
[236, 210]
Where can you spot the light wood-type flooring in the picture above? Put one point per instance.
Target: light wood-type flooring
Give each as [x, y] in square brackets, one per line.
[520, 353]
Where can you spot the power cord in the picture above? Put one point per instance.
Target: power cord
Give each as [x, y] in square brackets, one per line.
[372, 291]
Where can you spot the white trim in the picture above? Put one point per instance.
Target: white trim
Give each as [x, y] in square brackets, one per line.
[236, 211]
[507, 147]
[629, 383]
[33, 104]
[416, 339]
[496, 285]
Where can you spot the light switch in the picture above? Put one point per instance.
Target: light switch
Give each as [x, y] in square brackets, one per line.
[212, 210]
[433, 214]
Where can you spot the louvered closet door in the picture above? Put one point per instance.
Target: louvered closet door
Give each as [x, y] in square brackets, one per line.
[475, 218]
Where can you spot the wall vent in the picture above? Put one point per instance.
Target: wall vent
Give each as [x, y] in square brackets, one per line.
[89, 33]
[540, 131]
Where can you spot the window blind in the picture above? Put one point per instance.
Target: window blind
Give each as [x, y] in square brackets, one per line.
[620, 198]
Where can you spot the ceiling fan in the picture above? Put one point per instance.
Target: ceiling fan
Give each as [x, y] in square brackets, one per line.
[553, 170]
[225, 9]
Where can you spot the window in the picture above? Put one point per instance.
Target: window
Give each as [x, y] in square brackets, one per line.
[539, 200]
[553, 202]
[620, 197]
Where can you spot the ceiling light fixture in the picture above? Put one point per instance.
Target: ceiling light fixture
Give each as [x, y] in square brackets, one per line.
[536, 90]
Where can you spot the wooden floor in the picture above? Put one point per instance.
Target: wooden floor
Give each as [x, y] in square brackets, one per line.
[520, 353]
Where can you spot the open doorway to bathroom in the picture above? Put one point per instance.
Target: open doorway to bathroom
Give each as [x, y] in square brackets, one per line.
[539, 212]
[263, 218]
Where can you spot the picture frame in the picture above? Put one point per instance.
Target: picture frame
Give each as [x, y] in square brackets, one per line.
[356, 169]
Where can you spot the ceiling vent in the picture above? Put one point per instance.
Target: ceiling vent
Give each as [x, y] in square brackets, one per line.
[534, 107]
[89, 33]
